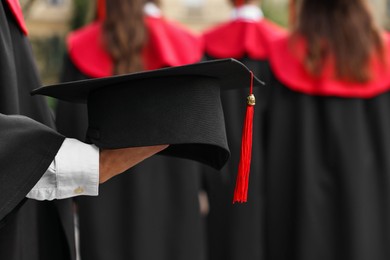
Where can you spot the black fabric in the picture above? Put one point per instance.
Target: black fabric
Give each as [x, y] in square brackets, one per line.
[191, 121]
[27, 150]
[150, 212]
[323, 178]
[179, 106]
[24, 234]
[229, 73]
[327, 176]
[236, 232]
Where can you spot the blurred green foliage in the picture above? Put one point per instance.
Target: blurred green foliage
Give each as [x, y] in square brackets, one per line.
[81, 13]
[276, 11]
[49, 52]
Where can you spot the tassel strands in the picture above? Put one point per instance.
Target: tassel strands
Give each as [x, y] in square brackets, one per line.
[241, 189]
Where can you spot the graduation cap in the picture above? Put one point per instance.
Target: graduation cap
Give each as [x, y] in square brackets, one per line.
[179, 106]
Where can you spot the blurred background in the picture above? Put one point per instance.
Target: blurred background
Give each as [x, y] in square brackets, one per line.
[50, 20]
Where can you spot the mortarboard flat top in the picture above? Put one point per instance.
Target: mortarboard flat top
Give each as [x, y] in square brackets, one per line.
[179, 106]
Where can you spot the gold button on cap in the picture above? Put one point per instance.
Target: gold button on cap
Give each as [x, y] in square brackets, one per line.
[78, 190]
[251, 100]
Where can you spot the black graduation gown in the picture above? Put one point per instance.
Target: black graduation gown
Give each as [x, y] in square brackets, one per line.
[323, 166]
[327, 175]
[35, 230]
[235, 231]
[150, 212]
[27, 150]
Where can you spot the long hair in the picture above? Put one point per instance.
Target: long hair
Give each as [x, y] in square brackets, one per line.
[343, 30]
[124, 34]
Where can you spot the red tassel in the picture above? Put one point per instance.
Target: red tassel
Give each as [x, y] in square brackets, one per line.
[241, 190]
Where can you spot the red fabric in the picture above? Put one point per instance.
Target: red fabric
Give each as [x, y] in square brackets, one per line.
[238, 2]
[86, 50]
[238, 38]
[168, 45]
[101, 9]
[287, 65]
[16, 10]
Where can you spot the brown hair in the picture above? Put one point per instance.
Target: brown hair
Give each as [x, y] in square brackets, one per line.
[343, 30]
[124, 34]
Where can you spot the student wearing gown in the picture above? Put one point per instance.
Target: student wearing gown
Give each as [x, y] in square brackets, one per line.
[327, 136]
[31, 230]
[234, 232]
[153, 212]
[21, 233]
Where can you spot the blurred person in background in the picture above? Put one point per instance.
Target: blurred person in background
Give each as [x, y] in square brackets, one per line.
[31, 154]
[234, 232]
[245, 37]
[152, 213]
[326, 136]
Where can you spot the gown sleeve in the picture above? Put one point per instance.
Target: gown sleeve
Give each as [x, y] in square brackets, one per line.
[26, 150]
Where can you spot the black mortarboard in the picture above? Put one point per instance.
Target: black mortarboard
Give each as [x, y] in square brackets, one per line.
[179, 106]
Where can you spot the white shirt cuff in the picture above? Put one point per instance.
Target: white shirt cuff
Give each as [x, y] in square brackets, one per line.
[74, 172]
